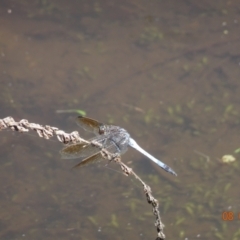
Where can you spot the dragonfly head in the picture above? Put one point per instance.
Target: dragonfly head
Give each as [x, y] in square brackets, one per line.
[102, 129]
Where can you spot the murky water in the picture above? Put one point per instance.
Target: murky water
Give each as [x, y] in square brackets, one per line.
[167, 71]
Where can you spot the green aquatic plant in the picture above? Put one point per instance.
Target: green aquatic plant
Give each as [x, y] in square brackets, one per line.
[114, 222]
[78, 111]
[85, 72]
[190, 208]
[180, 220]
[150, 35]
[237, 150]
[149, 116]
[44, 7]
[93, 220]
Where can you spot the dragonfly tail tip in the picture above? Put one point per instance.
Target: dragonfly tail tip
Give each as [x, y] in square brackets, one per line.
[168, 169]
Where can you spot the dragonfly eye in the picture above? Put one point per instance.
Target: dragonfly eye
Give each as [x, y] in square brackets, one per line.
[102, 129]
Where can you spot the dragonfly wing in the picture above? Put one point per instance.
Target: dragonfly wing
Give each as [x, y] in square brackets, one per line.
[89, 124]
[97, 157]
[134, 144]
[78, 150]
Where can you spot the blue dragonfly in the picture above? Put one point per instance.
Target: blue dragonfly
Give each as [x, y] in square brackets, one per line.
[114, 139]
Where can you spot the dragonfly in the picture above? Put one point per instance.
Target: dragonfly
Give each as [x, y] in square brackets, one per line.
[114, 139]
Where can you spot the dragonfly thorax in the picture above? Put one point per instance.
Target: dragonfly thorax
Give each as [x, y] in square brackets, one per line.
[119, 137]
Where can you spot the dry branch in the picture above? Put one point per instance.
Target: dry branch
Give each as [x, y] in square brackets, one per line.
[70, 138]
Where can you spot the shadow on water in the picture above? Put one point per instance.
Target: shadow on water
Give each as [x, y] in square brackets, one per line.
[166, 71]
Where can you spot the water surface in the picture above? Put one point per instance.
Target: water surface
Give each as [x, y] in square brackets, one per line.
[167, 71]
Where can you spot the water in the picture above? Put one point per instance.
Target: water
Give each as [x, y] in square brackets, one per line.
[170, 69]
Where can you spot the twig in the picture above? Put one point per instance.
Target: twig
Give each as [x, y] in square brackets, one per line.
[70, 138]
[151, 200]
[203, 155]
